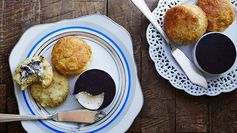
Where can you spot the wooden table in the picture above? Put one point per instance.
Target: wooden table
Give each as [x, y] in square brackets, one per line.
[166, 109]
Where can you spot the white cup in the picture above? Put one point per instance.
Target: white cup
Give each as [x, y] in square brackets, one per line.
[211, 45]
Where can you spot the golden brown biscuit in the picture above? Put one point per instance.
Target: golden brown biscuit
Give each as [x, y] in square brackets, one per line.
[185, 23]
[53, 95]
[33, 69]
[220, 13]
[71, 55]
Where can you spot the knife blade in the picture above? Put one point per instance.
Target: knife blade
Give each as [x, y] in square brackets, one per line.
[192, 72]
[80, 116]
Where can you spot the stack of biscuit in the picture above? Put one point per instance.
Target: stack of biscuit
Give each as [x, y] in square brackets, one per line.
[33, 69]
[186, 23]
[53, 95]
[220, 13]
[70, 56]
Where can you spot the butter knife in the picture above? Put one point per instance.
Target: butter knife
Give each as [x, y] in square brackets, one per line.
[192, 72]
[79, 116]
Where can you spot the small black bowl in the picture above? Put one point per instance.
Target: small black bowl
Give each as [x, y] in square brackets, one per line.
[214, 53]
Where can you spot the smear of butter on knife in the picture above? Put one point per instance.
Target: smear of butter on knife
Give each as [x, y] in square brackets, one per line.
[80, 116]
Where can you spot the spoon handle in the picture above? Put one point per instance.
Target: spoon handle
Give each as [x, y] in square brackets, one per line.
[141, 5]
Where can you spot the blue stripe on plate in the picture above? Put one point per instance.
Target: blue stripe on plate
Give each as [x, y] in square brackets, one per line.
[114, 43]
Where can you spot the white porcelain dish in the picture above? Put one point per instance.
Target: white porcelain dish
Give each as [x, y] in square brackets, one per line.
[111, 53]
[166, 66]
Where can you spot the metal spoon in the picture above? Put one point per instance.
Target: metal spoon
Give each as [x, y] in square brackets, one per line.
[192, 72]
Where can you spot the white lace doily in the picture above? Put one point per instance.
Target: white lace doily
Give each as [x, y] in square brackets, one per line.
[166, 66]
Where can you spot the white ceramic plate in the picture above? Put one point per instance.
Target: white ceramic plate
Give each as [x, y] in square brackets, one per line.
[167, 67]
[109, 54]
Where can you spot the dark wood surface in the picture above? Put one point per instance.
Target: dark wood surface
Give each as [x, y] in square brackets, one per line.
[165, 109]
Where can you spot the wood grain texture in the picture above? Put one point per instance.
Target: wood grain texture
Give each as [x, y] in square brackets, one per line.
[85, 7]
[125, 13]
[191, 113]
[3, 126]
[165, 110]
[52, 11]
[2, 35]
[158, 114]
[17, 17]
[223, 113]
